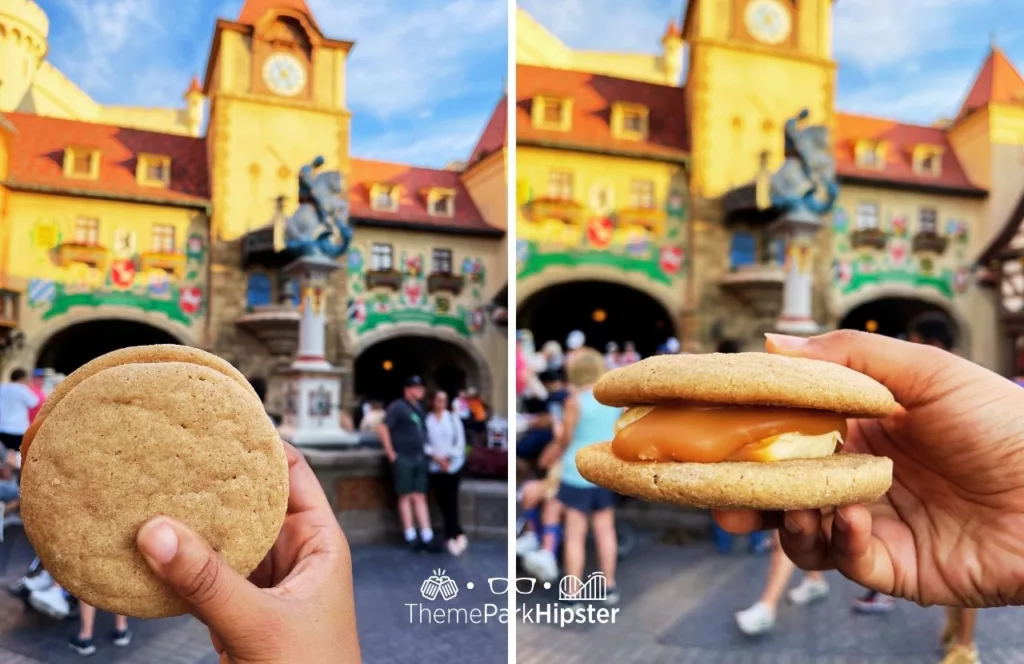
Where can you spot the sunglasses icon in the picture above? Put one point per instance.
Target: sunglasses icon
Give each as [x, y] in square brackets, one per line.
[499, 585]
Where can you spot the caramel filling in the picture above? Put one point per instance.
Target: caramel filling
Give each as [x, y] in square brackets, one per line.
[715, 434]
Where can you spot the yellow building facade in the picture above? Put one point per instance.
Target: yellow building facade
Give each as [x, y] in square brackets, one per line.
[122, 226]
[916, 204]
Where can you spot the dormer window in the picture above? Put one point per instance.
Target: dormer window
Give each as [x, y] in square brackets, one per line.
[384, 197]
[871, 154]
[154, 170]
[441, 202]
[552, 113]
[928, 159]
[82, 163]
[630, 121]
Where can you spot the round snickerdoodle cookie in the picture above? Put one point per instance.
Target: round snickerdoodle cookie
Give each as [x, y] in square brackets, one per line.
[841, 479]
[746, 379]
[138, 440]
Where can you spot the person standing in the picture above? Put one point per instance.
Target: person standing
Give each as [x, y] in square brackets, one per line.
[83, 644]
[612, 356]
[629, 354]
[403, 434]
[446, 447]
[16, 402]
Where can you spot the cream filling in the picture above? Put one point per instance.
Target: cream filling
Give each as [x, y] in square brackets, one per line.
[785, 446]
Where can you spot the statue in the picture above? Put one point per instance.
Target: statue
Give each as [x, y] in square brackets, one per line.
[806, 181]
[320, 224]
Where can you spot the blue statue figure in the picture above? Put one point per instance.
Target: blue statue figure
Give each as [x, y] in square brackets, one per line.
[320, 224]
[806, 181]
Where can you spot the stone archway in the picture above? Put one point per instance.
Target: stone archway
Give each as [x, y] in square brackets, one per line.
[895, 308]
[444, 359]
[604, 310]
[98, 333]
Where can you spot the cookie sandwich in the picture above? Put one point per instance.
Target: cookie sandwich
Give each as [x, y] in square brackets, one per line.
[139, 433]
[743, 430]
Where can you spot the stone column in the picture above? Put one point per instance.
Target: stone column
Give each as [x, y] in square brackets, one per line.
[798, 228]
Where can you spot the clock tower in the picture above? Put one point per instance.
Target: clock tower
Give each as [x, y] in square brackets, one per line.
[276, 87]
[752, 65]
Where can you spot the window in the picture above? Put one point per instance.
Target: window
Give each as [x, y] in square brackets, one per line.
[154, 170]
[602, 198]
[258, 292]
[552, 113]
[560, 186]
[382, 257]
[163, 239]
[383, 200]
[442, 261]
[441, 204]
[868, 159]
[641, 195]
[81, 163]
[928, 221]
[87, 231]
[385, 197]
[742, 250]
[553, 109]
[871, 154]
[867, 216]
[629, 121]
[634, 121]
[930, 164]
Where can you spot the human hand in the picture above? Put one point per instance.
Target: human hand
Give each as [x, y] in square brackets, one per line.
[298, 606]
[392, 455]
[948, 531]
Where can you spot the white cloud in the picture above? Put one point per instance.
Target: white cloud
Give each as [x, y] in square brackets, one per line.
[606, 25]
[414, 55]
[920, 99]
[876, 35]
[428, 144]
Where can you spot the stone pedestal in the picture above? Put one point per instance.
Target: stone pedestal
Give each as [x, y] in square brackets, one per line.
[799, 229]
[313, 405]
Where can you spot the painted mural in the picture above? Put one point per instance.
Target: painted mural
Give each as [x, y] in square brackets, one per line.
[555, 233]
[409, 295]
[892, 255]
[69, 273]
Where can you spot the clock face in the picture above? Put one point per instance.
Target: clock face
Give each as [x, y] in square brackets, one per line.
[284, 74]
[767, 21]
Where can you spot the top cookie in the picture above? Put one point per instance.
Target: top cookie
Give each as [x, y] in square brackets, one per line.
[135, 441]
[746, 379]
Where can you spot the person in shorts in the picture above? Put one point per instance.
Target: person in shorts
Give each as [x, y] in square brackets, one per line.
[403, 434]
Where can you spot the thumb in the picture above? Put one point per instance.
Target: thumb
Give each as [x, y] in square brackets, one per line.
[914, 373]
[217, 594]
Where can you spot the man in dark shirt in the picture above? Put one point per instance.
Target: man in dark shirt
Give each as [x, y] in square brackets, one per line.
[403, 433]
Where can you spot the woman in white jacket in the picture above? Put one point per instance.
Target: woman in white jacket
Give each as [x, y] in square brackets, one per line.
[446, 447]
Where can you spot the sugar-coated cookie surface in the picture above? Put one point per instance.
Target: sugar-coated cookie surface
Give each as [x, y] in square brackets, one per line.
[751, 379]
[137, 440]
[841, 479]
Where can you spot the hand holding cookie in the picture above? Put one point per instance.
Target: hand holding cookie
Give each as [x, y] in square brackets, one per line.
[296, 606]
[948, 530]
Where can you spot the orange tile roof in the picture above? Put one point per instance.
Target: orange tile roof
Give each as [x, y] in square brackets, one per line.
[413, 204]
[37, 159]
[253, 10]
[495, 135]
[593, 96]
[998, 81]
[194, 86]
[903, 138]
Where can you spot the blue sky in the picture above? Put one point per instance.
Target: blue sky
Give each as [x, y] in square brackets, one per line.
[912, 60]
[422, 81]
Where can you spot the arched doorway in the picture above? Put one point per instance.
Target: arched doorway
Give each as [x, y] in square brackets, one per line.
[604, 311]
[382, 368]
[77, 344]
[896, 316]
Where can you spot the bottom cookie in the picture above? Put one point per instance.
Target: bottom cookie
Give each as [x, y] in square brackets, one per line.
[841, 479]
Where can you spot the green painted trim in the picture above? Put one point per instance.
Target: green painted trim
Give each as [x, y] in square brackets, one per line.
[649, 267]
[63, 302]
[421, 316]
[943, 284]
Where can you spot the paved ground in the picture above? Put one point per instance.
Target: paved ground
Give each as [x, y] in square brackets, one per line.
[678, 605]
[386, 580]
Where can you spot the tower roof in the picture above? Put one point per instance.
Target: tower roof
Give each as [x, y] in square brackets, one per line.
[194, 86]
[998, 81]
[253, 10]
[672, 31]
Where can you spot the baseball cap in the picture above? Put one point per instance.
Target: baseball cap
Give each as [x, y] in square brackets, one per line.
[413, 381]
[39, 373]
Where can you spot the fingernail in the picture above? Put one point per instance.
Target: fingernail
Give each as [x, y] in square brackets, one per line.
[841, 520]
[784, 341]
[158, 541]
[791, 525]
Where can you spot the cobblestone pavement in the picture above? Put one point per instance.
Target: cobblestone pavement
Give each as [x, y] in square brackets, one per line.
[678, 605]
[386, 579]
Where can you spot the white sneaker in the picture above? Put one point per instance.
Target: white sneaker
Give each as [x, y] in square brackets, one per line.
[526, 543]
[808, 591]
[51, 602]
[757, 620]
[39, 582]
[541, 564]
